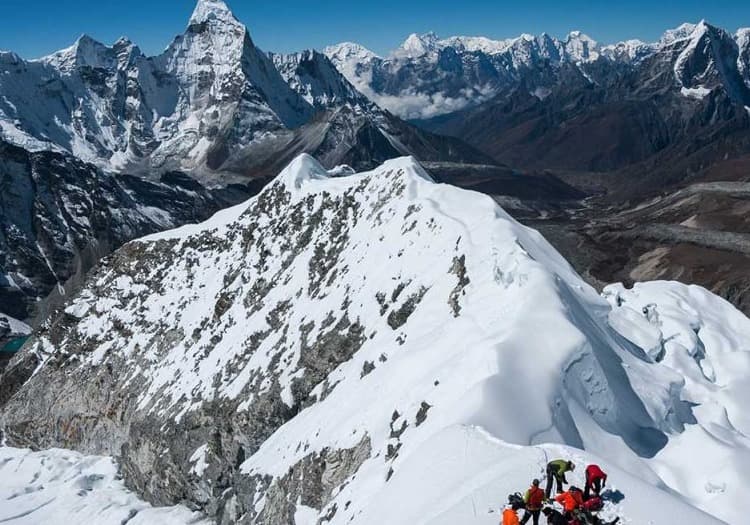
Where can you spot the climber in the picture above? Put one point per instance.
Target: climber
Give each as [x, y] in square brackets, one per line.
[572, 500]
[596, 478]
[533, 498]
[556, 471]
[509, 516]
[554, 517]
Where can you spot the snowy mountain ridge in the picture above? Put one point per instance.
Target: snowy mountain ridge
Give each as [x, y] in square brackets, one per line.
[308, 354]
[429, 76]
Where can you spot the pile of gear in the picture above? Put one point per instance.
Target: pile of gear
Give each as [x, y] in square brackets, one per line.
[577, 508]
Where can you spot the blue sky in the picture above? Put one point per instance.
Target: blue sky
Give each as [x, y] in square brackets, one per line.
[37, 27]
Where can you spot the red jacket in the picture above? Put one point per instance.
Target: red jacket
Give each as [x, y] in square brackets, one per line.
[570, 500]
[534, 498]
[593, 472]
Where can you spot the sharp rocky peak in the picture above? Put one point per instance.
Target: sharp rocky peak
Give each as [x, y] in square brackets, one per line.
[206, 10]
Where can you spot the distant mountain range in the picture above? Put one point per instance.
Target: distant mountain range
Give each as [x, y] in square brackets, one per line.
[428, 76]
[212, 102]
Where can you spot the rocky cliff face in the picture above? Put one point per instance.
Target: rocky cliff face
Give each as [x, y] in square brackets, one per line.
[295, 355]
[58, 216]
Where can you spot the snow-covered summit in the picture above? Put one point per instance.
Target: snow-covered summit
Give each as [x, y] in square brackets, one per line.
[628, 51]
[348, 50]
[478, 43]
[416, 46]
[314, 76]
[84, 52]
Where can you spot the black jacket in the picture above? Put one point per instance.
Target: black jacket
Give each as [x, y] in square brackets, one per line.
[555, 518]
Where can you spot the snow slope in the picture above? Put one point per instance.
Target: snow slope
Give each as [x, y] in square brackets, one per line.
[61, 486]
[364, 347]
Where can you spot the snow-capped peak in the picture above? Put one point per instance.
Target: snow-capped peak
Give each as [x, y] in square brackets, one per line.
[383, 320]
[418, 45]
[681, 32]
[629, 50]
[348, 51]
[211, 9]
[84, 52]
[581, 47]
[314, 76]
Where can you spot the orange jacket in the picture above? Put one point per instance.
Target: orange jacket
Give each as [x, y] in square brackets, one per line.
[510, 517]
[570, 500]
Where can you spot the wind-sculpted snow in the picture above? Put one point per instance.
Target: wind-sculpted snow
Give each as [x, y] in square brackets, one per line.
[706, 342]
[299, 357]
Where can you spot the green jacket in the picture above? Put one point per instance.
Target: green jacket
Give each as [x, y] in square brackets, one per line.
[558, 467]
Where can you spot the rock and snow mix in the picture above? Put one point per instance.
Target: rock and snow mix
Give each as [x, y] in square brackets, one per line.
[61, 486]
[377, 347]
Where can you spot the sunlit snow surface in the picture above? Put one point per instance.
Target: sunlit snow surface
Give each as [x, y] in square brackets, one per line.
[507, 347]
[63, 487]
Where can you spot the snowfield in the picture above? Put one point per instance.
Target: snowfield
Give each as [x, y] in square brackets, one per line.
[418, 352]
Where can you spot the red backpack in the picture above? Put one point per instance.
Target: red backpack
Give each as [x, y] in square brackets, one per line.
[593, 504]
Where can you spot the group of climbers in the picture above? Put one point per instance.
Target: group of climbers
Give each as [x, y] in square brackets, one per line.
[577, 507]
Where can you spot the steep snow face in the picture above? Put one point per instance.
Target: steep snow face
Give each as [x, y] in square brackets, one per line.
[706, 341]
[708, 58]
[316, 348]
[313, 75]
[211, 91]
[60, 486]
[681, 32]
[356, 63]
